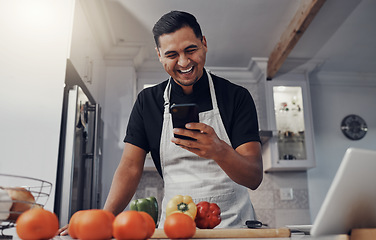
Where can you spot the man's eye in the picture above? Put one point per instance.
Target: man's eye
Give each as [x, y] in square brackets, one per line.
[192, 50]
[171, 56]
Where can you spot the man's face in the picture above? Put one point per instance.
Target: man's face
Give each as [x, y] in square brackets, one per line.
[183, 56]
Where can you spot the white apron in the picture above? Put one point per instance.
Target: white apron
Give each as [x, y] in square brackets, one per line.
[185, 173]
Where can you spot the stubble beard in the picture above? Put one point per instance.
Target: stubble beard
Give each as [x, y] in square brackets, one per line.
[187, 84]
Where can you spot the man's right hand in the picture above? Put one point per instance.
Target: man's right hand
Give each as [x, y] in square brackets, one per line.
[63, 231]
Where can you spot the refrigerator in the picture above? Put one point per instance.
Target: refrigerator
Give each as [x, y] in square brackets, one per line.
[78, 185]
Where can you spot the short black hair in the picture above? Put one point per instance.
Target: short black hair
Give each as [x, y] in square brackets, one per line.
[173, 21]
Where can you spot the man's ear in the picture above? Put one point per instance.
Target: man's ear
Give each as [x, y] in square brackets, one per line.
[158, 53]
[204, 42]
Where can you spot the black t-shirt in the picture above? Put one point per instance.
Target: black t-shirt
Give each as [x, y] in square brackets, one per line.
[235, 104]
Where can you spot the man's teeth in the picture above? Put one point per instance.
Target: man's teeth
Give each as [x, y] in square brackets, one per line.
[185, 71]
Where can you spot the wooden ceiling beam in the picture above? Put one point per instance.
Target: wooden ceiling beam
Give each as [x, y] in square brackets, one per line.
[290, 37]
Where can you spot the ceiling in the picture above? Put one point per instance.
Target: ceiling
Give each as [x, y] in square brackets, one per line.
[342, 36]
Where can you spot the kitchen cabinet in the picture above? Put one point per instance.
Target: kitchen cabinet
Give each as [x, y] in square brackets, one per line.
[82, 44]
[86, 51]
[291, 146]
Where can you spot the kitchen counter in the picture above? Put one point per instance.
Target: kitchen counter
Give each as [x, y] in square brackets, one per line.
[293, 237]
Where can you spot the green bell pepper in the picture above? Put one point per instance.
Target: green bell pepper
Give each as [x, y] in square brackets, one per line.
[148, 205]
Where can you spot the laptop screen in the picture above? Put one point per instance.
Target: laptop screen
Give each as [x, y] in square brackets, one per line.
[351, 200]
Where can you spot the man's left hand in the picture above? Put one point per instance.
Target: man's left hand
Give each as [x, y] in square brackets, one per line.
[207, 144]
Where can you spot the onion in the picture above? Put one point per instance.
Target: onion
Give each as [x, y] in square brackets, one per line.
[15, 200]
[5, 204]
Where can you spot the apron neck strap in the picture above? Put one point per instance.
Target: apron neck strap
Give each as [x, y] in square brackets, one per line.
[166, 96]
[212, 91]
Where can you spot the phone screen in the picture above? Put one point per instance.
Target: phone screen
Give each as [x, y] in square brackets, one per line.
[183, 114]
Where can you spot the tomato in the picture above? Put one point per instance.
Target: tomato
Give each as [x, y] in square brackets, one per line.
[93, 224]
[130, 225]
[179, 225]
[37, 223]
[150, 223]
[110, 215]
[73, 224]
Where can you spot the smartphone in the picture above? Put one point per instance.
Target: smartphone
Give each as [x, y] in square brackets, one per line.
[183, 114]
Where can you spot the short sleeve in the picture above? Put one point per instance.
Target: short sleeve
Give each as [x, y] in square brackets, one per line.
[245, 126]
[136, 133]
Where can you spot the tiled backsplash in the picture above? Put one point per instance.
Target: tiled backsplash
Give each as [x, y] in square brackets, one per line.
[269, 208]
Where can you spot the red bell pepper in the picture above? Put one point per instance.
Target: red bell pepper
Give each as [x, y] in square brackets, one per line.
[208, 215]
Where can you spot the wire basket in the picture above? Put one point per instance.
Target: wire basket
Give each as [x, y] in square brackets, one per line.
[40, 190]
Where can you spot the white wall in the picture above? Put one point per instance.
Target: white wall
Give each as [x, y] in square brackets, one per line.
[335, 96]
[35, 38]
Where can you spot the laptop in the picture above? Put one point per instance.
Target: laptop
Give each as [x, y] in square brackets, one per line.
[351, 200]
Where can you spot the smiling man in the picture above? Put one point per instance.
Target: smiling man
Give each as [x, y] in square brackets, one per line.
[223, 159]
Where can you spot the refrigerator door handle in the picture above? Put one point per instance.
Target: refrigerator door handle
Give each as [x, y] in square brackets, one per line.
[95, 201]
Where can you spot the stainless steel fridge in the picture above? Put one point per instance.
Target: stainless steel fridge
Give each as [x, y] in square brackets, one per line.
[78, 184]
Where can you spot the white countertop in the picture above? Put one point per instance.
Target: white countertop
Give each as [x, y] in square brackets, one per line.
[293, 237]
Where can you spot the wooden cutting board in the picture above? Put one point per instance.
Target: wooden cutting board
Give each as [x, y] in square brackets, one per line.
[234, 233]
[363, 234]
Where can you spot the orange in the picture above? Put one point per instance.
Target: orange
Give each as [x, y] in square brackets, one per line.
[93, 224]
[130, 225]
[110, 215]
[179, 225]
[37, 223]
[150, 223]
[73, 224]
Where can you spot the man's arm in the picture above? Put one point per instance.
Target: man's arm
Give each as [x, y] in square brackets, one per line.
[243, 165]
[126, 178]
